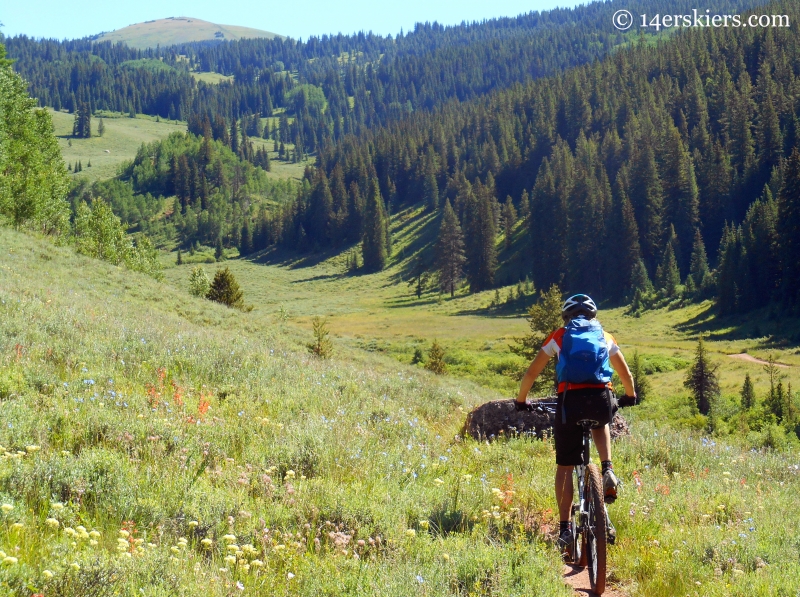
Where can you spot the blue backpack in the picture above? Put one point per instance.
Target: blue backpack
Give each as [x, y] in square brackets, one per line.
[584, 353]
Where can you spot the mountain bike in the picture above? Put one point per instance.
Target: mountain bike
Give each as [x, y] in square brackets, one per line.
[590, 521]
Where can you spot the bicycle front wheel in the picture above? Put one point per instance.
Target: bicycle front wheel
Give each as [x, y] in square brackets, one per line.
[596, 531]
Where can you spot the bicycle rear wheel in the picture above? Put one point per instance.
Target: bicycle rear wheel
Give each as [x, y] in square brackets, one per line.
[596, 531]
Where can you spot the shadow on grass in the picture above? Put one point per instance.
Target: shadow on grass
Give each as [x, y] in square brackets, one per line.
[763, 325]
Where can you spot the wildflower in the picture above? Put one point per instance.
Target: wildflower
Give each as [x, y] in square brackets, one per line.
[289, 575]
[75, 566]
[721, 507]
[93, 543]
[193, 524]
[94, 534]
[47, 574]
[17, 526]
[230, 538]
[6, 508]
[33, 448]
[257, 564]
[411, 533]
[70, 531]
[424, 525]
[124, 534]
[446, 557]
[239, 585]
[467, 477]
[289, 474]
[57, 506]
[207, 543]
[438, 481]
[230, 560]
[10, 560]
[233, 547]
[80, 529]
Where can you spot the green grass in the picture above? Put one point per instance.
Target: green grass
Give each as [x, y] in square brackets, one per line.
[122, 138]
[137, 407]
[211, 78]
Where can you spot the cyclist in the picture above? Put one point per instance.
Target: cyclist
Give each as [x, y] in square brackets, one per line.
[585, 352]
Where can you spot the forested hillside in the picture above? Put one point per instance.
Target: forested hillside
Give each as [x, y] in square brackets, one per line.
[632, 169]
[367, 80]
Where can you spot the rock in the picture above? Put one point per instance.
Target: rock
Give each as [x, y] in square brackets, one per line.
[500, 417]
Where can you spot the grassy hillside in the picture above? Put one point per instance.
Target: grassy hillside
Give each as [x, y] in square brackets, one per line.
[147, 432]
[381, 313]
[122, 138]
[179, 30]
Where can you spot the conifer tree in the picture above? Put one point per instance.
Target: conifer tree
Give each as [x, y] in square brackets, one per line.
[225, 289]
[524, 207]
[509, 219]
[748, 393]
[101, 128]
[698, 265]
[450, 256]
[436, 362]
[702, 379]
[199, 282]
[321, 347]
[219, 253]
[668, 277]
[419, 276]
[789, 230]
[246, 241]
[375, 230]
[482, 249]
[543, 317]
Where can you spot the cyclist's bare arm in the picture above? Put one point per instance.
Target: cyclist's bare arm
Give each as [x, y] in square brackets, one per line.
[533, 372]
[621, 367]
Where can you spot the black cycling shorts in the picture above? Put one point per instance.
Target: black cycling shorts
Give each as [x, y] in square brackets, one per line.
[596, 404]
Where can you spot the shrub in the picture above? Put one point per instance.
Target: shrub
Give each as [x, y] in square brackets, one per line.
[322, 346]
[225, 289]
[199, 282]
[436, 359]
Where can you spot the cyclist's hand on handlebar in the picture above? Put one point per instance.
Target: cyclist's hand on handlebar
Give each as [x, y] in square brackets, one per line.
[523, 406]
[626, 400]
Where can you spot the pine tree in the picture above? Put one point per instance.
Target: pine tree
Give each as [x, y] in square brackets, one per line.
[219, 253]
[702, 379]
[375, 230]
[789, 230]
[225, 289]
[436, 362]
[509, 219]
[698, 265]
[321, 347]
[668, 277]
[482, 250]
[199, 282]
[246, 241]
[543, 318]
[775, 400]
[419, 276]
[179, 259]
[450, 256]
[101, 128]
[748, 393]
[430, 188]
[524, 207]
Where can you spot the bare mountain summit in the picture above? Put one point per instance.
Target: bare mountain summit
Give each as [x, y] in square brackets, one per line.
[178, 30]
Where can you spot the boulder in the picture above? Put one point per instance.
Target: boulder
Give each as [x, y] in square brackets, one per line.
[500, 417]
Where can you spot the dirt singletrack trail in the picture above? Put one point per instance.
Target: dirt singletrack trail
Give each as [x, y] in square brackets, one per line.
[578, 578]
[743, 356]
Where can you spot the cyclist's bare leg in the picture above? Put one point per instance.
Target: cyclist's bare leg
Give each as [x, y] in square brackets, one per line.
[564, 491]
[602, 439]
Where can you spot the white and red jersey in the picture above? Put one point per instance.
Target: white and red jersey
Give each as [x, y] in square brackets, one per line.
[552, 348]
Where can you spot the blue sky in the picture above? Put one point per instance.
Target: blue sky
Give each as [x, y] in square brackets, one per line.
[60, 19]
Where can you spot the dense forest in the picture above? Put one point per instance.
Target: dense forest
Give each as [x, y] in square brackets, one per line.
[632, 169]
[363, 80]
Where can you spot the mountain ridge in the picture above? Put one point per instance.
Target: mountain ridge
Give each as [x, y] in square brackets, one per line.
[179, 30]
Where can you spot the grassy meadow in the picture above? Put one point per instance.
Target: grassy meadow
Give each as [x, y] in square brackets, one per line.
[158, 444]
[122, 138]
